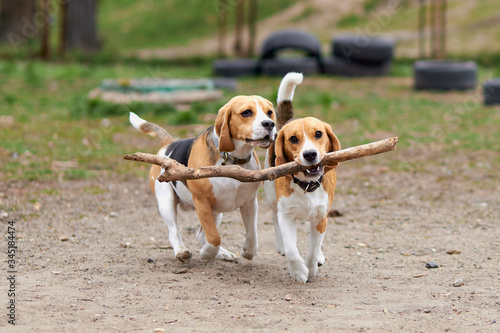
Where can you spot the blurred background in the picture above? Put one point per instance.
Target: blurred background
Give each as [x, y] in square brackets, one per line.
[59, 59]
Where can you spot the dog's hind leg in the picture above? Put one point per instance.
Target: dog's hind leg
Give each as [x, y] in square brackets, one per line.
[167, 205]
[249, 216]
[279, 240]
[223, 253]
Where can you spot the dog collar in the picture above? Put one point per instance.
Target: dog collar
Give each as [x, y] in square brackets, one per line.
[227, 158]
[308, 186]
[230, 159]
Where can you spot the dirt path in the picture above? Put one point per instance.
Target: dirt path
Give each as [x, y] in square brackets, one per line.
[92, 258]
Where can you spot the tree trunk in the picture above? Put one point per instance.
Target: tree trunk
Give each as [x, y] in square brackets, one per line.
[222, 23]
[17, 21]
[252, 30]
[45, 31]
[81, 25]
[238, 28]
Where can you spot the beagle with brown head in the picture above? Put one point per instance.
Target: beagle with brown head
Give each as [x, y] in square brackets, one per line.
[244, 123]
[305, 196]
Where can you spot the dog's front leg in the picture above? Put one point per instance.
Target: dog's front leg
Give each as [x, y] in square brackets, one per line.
[249, 216]
[223, 253]
[315, 257]
[212, 238]
[288, 228]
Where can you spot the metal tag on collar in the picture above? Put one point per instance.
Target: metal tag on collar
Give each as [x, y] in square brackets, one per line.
[225, 158]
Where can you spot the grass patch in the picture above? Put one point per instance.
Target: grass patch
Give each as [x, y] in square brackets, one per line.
[349, 20]
[307, 12]
[370, 5]
[132, 24]
[53, 121]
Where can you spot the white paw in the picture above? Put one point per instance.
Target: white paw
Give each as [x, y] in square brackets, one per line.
[312, 265]
[225, 255]
[248, 254]
[322, 259]
[249, 250]
[280, 248]
[208, 252]
[298, 271]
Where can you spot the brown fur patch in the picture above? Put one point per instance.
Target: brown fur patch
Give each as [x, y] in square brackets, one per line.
[154, 172]
[321, 227]
[201, 189]
[283, 188]
[158, 132]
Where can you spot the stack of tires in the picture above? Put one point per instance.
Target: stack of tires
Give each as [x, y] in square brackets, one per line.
[352, 55]
[359, 55]
[296, 40]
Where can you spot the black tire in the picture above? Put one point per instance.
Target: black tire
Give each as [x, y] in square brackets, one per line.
[445, 75]
[492, 92]
[281, 66]
[340, 66]
[235, 67]
[291, 39]
[363, 49]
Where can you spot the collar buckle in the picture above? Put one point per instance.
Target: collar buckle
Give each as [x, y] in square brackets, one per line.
[230, 159]
[308, 186]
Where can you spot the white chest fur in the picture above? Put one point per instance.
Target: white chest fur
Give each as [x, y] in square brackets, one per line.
[300, 206]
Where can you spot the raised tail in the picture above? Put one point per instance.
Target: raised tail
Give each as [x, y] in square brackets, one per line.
[285, 97]
[152, 129]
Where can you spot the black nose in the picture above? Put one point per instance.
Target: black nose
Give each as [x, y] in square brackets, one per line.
[268, 124]
[310, 155]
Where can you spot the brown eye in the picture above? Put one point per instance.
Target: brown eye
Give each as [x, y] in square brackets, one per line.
[293, 139]
[247, 113]
[269, 113]
[318, 134]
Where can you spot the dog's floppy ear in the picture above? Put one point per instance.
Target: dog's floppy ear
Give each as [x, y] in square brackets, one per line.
[279, 149]
[334, 144]
[222, 128]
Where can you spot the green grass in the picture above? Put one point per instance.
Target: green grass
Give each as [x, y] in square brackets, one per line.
[53, 121]
[131, 24]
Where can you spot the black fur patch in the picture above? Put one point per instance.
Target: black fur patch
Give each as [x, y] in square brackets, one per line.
[180, 151]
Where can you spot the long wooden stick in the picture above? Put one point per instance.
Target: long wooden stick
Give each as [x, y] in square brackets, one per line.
[176, 171]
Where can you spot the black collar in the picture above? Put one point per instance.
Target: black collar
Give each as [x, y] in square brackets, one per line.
[230, 159]
[227, 158]
[308, 186]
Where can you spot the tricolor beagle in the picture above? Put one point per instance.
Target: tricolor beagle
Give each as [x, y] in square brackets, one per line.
[305, 196]
[243, 123]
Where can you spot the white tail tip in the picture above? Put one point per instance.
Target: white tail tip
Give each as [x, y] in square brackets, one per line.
[287, 86]
[136, 121]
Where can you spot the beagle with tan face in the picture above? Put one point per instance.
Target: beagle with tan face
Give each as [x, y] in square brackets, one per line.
[305, 196]
[243, 123]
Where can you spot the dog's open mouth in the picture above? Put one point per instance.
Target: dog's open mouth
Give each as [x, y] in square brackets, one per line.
[313, 172]
[265, 142]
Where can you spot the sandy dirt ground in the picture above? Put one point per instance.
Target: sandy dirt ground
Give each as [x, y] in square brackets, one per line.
[94, 256]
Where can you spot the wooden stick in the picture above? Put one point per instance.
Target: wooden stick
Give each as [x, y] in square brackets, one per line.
[176, 171]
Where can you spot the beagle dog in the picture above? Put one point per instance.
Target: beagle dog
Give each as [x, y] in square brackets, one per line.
[243, 123]
[305, 196]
